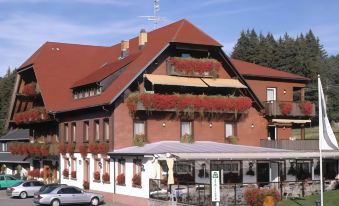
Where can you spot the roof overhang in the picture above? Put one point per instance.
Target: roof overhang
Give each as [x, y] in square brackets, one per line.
[288, 121]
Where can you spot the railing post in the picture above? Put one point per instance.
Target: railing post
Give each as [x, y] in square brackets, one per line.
[281, 190]
[235, 194]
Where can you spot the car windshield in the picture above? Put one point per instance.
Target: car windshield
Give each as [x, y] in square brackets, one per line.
[48, 189]
[17, 184]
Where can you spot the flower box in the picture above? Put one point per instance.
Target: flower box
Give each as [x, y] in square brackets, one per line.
[98, 148]
[106, 177]
[306, 107]
[136, 180]
[121, 179]
[83, 149]
[65, 173]
[188, 104]
[62, 148]
[85, 184]
[73, 174]
[36, 114]
[70, 148]
[285, 108]
[97, 176]
[29, 89]
[193, 67]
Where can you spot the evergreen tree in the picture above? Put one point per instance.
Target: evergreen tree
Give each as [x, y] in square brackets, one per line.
[6, 88]
[247, 47]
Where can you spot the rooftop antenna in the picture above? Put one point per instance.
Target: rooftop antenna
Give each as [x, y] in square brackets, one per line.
[155, 18]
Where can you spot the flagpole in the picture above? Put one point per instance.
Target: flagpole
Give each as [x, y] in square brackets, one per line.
[320, 142]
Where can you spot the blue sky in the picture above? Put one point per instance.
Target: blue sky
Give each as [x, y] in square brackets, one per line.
[26, 24]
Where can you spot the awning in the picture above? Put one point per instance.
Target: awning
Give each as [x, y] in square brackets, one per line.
[296, 121]
[6, 157]
[230, 83]
[175, 80]
[17, 134]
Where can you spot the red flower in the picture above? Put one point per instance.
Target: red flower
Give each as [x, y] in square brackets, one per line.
[103, 148]
[62, 148]
[65, 172]
[121, 179]
[93, 148]
[306, 107]
[136, 180]
[70, 148]
[74, 174]
[29, 89]
[83, 150]
[285, 108]
[105, 177]
[96, 175]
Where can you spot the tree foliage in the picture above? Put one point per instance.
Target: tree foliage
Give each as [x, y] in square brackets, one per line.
[6, 88]
[303, 55]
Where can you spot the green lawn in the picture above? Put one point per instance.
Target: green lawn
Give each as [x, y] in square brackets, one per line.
[313, 133]
[331, 198]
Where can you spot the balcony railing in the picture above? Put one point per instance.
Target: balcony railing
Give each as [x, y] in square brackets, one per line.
[289, 109]
[311, 144]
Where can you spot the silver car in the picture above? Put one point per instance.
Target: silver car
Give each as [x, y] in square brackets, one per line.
[61, 195]
[24, 189]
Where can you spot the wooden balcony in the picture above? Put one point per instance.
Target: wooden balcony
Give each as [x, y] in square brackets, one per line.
[289, 109]
[310, 144]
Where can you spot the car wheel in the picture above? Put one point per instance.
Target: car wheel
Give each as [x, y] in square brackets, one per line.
[94, 201]
[55, 202]
[23, 195]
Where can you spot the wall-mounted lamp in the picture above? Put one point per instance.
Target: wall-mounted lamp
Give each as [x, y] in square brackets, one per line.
[163, 124]
[210, 125]
[252, 125]
[79, 162]
[284, 91]
[100, 164]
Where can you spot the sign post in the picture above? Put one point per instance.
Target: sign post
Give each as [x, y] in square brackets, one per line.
[215, 182]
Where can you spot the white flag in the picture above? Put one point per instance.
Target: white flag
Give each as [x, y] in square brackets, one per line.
[326, 135]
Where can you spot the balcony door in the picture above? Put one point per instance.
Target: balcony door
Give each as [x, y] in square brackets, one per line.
[271, 94]
[272, 132]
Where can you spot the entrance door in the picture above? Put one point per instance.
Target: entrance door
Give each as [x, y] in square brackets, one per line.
[263, 171]
[271, 94]
[272, 132]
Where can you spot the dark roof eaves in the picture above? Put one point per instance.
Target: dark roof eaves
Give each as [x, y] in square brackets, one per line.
[304, 79]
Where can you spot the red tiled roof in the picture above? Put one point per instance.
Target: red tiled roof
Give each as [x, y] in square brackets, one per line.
[250, 69]
[58, 66]
[106, 70]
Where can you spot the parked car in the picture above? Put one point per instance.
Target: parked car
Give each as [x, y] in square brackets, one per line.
[24, 189]
[8, 181]
[49, 187]
[61, 195]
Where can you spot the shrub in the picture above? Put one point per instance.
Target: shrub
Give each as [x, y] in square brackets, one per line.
[105, 177]
[65, 173]
[139, 140]
[136, 180]
[255, 196]
[74, 174]
[121, 179]
[97, 175]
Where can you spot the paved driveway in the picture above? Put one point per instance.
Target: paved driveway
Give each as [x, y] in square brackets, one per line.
[7, 201]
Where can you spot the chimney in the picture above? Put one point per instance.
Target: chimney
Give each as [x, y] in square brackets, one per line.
[142, 38]
[124, 48]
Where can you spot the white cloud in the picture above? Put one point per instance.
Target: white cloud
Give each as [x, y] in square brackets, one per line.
[22, 34]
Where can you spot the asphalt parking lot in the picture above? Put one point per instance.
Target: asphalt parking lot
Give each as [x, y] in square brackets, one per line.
[8, 201]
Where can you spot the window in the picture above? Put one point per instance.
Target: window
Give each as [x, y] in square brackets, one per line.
[4, 147]
[74, 164]
[86, 131]
[303, 170]
[121, 166]
[56, 136]
[139, 128]
[66, 163]
[66, 132]
[37, 183]
[185, 55]
[230, 171]
[106, 129]
[229, 129]
[2, 178]
[96, 130]
[186, 128]
[184, 171]
[137, 164]
[271, 94]
[106, 166]
[73, 131]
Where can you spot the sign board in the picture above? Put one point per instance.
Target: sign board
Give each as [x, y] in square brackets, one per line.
[215, 183]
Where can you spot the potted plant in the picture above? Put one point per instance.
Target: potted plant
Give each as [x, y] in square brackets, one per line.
[65, 173]
[105, 177]
[74, 174]
[139, 140]
[97, 176]
[85, 184]
[187, 138]
[136, 180]
[232, 139]
[121, 179]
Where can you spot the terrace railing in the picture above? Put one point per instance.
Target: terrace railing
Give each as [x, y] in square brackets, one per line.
[289, 109]
[233, 193]
[310, 144]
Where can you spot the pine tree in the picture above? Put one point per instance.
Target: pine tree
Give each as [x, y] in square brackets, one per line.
[6, 88]
[246, 47]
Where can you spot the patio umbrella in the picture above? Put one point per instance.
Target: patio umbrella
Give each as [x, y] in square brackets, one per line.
[170, 179]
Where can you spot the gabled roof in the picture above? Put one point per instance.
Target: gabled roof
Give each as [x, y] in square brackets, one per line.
[254, 70]
[58, 66]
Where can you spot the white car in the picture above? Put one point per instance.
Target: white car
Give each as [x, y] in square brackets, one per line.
[24, 189]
